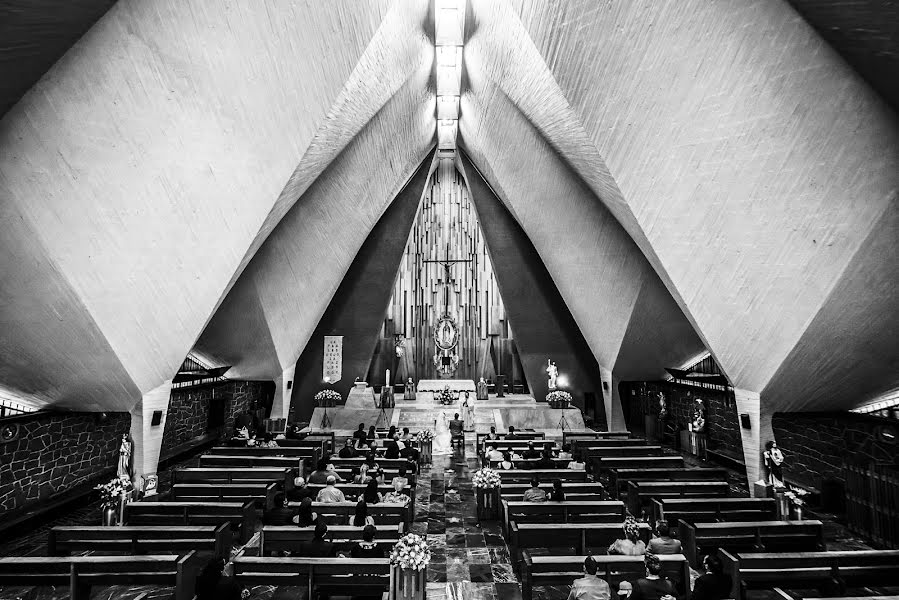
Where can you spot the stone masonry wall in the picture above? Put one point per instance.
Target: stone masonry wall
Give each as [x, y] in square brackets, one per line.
[817, 445]
[55, 452]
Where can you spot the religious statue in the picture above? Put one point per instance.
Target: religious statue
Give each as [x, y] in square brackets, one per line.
[663, 407]
[125, 449]
[699, 416]
[774, 459]
[409, 393]
[481, 389]
[553, 373]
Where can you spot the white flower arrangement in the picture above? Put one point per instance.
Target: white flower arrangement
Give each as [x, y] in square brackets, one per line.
[327, 398]
[411, 552]
[485, 478]
[425, 435]
[111, 492]
[558, 398]
[394, 497]
[446, 397]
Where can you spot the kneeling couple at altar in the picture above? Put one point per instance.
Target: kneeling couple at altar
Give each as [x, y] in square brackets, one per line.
[443, 440]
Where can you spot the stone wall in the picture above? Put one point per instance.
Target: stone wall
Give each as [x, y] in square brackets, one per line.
[722, 422]
[55, 452]
[189, 409]
[817, 445]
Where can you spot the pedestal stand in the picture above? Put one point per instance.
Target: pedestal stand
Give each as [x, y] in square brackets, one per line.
[406, 584]
[487, 503]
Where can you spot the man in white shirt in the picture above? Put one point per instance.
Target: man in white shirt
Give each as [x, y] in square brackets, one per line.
[590, 587]
[330, 493]
[494, 454]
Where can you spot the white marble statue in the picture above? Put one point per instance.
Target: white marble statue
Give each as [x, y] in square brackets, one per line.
[553, 373]
[124, 466]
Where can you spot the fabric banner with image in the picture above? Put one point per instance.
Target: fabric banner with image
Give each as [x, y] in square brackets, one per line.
[333, 358]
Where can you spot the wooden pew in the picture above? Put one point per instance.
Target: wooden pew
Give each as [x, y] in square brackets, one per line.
[640, 493]
[516, 445]
[580, 536]
[810, 570]
[481, 438]
[240, 515]
[141, 539]
[524, 475]
[327, 438]
[618, 478]
[384, 463]
[590, 452]
[276, 539]
[699, 539]
[578, 444]
[384, 513]
[357, 577]
[282, 477]
[263, 494]
[782, 595]
[577, 435]
[606, 466]
[560, 463]
[562, 570]
[710, 510]
[569, 511]
[80, 573]
[251, 462]
[352, 491]
[573, 490]
[306, 452]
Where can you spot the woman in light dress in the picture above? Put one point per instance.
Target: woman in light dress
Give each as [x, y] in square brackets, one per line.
[443, 439]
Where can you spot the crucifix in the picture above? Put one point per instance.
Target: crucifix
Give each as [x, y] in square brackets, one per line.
[447, 275]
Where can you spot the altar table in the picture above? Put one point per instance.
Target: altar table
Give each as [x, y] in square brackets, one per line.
[455, 385]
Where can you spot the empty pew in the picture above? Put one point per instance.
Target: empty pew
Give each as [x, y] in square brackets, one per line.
[240, 515]
[618, 478]
[297, 465]
[275, 539]
[339, 513]
[573, 490]
[580, 536]
[306, 452]
[263, 494]
[588, 453]
[574, 435]
[710, 510]
[282, 477]
[840, 570]
[141, 539]
[569, 511]
[357, 577]
[640, 493]
[699, 539]
[607, 465]
[782, 595]
[523, 475]
[81, 573]
[562, 570]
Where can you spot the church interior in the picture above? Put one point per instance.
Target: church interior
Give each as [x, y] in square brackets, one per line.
[482, 299]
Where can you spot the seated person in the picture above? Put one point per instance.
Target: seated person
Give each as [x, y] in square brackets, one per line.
[372, 436]
[406, 437]
[281, 514]
[267, 441]
[565, 454]
[317, 547]
[361, 518]
[512, 435]
[630, 544]
[411, 466]
[371, 495]
[300, 490]
[347, 451]
[507, 463]
[715, 584]
[367, 548]
[590, 587]
[494, 454]
[401, 479]
[359, 434]
[393, 449]
[321, 473]
[534, 494]
[546, 461]
[362, 477]
[625, 589]
[653, 586]
[457, 427]
[330, 493]
[305, 517]
[531, 451]
[492, 435]
[409, 453]
[663, 543]
[576, 466]
[557, 494]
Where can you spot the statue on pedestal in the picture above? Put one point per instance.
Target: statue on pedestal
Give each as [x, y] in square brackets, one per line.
[699, 416]
[481, 389]
[125, 451]
[553, 373]
[409, 392]
[774, 459]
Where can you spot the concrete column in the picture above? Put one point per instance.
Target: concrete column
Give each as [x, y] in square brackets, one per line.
[611, 400]
[760, 431]
[283, 390]
[147, 438]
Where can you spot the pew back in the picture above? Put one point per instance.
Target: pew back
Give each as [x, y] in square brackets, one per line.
[263, 494]
[239, 514]
[699, 539]
[639, 493]
[360, 576]
[141, 539]
[709, 510]
[274, 539]
[580, 536]
[282, 477]
[523, 475]
[569, 511]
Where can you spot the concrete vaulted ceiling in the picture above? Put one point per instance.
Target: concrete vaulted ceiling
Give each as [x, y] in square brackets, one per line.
[692, 174]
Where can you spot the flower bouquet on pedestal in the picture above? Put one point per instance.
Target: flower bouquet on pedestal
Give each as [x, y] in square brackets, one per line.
[327, 398]
[409, 562]
[111, 495]
[558, 399]
[487, 483]
[446, 397]
[425, 439]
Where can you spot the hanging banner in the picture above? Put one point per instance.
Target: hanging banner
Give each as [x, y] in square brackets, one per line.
[333, 358]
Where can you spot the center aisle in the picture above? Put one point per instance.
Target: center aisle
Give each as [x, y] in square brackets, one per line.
[467, 562]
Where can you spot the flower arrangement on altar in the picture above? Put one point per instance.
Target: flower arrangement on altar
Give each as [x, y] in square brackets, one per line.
[411, 552]
[485, 478]
[425, 435]
[559, 399]
[111, 493]
[327, 398]
[446, 397]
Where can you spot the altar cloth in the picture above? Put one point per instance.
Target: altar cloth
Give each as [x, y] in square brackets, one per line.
[455, 385]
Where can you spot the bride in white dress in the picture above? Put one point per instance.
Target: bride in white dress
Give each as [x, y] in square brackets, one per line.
[443, 439]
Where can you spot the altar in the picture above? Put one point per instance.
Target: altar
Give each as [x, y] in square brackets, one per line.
[455, 385]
